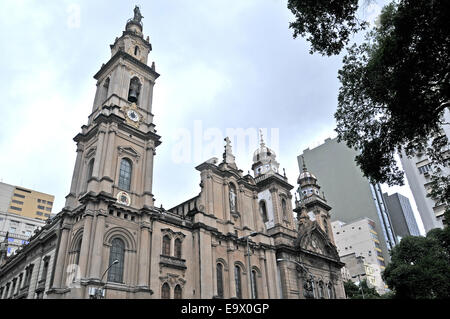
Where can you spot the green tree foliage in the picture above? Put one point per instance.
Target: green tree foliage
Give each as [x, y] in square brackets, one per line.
[352, 291]
[329, 24]
[420, 266]
[395, 89]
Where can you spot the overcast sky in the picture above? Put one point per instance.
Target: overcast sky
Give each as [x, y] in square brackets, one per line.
[223, 64]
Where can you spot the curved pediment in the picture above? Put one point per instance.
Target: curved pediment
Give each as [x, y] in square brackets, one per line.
[311, 237]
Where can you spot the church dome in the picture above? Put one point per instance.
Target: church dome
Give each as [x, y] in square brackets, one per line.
[308, 177]
[263, 153]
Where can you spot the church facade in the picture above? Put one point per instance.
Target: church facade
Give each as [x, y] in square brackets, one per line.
[237, 238]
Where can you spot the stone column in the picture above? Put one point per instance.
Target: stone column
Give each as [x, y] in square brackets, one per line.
[231, 281]
[77, 174]
[60, 260]
[205, 257]
[144, 255]
[99, 152]
[107, 171]
[210, 196]
[262, 265]
[272, 273]
[96, 257]
[85, 243]
[148, 181]
[226, 201]
[277, 219]
[214, 268]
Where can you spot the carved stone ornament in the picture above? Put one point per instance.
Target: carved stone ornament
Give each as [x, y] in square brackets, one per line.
[123, 198]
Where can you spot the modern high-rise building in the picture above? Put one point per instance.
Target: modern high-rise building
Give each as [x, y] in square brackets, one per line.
[359, 248]
[25, 202]
[418, 170]
[346, 189]
[402, 215]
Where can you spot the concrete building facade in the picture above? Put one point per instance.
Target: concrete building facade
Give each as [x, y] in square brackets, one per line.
[359, 248]
[236, 239]
[418, 171]
[17, 230]
[402, 215]
[25, 202]
[347, 190]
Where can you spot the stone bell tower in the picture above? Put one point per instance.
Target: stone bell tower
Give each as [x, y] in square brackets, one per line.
[274, 197]
[312, 201]
[120, 137]
[110, 200]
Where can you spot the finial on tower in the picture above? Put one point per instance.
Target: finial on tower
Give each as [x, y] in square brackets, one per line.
[261, 142]
[304, 164]
[228, 156]
[137, 15]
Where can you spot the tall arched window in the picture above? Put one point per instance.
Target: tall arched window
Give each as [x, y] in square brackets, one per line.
[166, 246]
[330, 290]
[177, 292]
[238, 281]
[321, 295]
[165, 291]
[135, 90]
[254, 284]
[136, 50]
[77, 252]
[233, 206]
[90, 169]
[219, 275]
[177, 248]
[263, 210]
[117, 252]
[284, 208]
[125, 174]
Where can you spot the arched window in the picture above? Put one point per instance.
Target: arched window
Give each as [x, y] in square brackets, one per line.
[135, 90]
[125, 174]
[254, 284]
[90, 169]
[165, 291]
[233, 207]
[166, 246]
[330, 290]
[77, 252]
[219, 274]
[321, 295]
[117, 252]
[136, 50]
[177, 292]
[284, 208]
[263, 210]
[177, 248]
[238, 281]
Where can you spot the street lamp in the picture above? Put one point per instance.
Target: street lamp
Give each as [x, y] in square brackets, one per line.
[99, 291]
[246, 238]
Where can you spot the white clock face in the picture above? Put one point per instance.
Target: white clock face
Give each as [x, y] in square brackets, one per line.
[133, 115]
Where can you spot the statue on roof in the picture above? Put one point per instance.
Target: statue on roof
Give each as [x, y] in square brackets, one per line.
[137, 14]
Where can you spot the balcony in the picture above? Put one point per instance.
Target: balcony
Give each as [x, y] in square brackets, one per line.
[172, 262]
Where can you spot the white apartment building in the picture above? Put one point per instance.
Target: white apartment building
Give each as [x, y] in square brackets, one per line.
[360, 240]
[418, 171]
[19, 229]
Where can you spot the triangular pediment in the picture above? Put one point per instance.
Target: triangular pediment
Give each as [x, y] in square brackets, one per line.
[129, 151]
